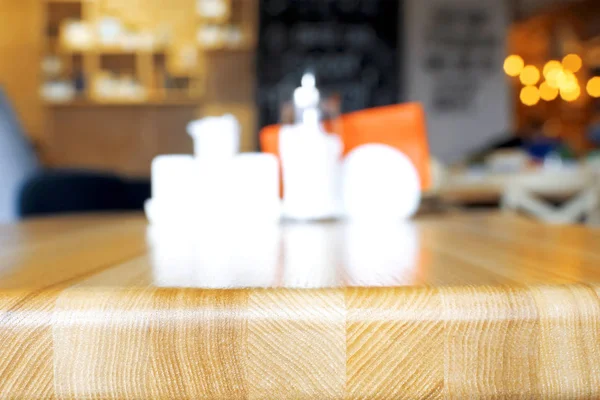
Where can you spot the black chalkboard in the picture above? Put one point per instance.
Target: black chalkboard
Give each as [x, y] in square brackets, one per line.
[351, 45]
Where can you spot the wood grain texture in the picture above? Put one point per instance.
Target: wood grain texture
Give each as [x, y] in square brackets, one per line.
[478, 306]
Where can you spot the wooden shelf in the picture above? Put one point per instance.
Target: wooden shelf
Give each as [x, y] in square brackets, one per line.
[226, 48]
[214, 20]
[111, 51]
[180, 81]
[81, 103]
[66, 1]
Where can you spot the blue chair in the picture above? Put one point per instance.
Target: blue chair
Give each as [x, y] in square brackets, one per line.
[18, 161]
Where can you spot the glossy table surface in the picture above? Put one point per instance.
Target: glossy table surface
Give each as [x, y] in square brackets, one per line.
[454, 306]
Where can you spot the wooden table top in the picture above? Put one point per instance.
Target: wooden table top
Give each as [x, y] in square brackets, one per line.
[477, 305]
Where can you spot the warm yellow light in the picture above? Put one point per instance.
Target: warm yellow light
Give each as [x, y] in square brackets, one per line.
[570, 95]
[530, 95]
[552, 77]
[530, 75]
[572, 62]
[548, 92]
[551, 67]
[593, 87]
[513, 65]
[567, 81]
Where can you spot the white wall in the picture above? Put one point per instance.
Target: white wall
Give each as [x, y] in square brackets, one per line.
[453, 135]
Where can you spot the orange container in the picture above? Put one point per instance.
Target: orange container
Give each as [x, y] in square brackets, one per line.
[401, 126]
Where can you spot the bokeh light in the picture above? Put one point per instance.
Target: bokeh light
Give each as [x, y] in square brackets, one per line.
[571, 94]
[530, 95]
[593, 87]
[567, 81]
[551, 67]
[572, 62]
[513, 65]
[530, 75]
[548, 92]
[552, 77]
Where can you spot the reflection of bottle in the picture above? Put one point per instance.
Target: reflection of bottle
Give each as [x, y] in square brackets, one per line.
[310, 159]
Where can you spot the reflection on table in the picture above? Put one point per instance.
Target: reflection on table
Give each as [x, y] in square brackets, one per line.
[290, 255]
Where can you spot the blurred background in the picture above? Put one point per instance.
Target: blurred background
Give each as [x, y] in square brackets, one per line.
[94, 89]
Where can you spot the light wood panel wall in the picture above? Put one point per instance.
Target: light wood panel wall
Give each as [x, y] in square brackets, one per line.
[119, 139]
[231, 89]
[20, 55]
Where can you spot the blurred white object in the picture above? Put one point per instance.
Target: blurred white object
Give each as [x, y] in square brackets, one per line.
[129, 88]
[211, 8]
[241, 189]
[212, 178]
[310, 160]
[379, 181]
[210, 36]
[214, 221]
[174, 191]
[215, 137]
[553, 161]
[507, 160]
[106, 86]
[110, 31]
[593, 163]
[216, 186]
[254, 183]
[78, 35]
[529, 192]
[306, 101]
[149, 211]
[58, 91]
